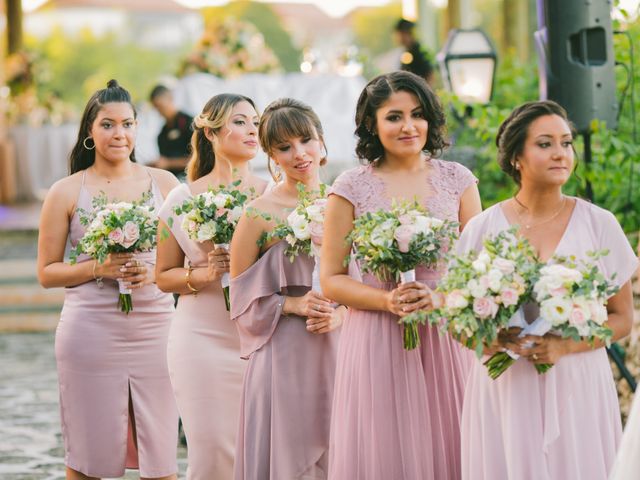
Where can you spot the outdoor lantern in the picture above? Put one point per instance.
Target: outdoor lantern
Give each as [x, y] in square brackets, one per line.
[468, 64]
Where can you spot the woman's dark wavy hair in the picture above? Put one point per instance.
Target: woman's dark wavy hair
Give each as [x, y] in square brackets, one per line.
[376, 93]
[214, 116]
[81, 158]
[513, 132]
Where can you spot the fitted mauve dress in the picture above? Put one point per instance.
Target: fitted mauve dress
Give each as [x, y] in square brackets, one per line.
[204, 363]
[288, 385]
[396, 413]
[564, 424]
[106, 357]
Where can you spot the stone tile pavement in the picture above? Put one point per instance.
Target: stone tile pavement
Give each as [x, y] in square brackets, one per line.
[30, 439]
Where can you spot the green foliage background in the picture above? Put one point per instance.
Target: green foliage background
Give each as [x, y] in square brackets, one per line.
[615, 169]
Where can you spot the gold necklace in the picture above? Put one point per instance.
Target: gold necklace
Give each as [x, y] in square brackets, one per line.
[530, 225]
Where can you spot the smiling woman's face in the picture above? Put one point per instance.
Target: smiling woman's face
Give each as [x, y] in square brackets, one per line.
[401, 125]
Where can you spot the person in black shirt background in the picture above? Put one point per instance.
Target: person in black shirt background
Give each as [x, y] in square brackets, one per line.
[414, 59]
[174, 140]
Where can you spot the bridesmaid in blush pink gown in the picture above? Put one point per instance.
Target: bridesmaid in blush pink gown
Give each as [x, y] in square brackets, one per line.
[564, 424]
[116, 402]
[396, 413]
[204, 348]
[287, 331]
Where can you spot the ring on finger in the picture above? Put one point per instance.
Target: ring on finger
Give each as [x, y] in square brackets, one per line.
[534, 356]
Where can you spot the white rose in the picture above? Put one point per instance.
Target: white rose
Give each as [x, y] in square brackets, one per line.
[504, 265]
[208, 198]
[484, 257]
[221, 200]
[315, 212]
[562, 273]
[556, 310]
[236, 213]
[206, 231]
[456, 300]
[422, 224]
[495, 279]
[479, 266]
[300, 225]
[476, 289]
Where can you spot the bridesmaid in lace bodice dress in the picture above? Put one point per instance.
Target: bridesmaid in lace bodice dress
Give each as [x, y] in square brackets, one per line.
[287, 331]
[116, 403]
[564, 424]
[204, 348]
[395, 412]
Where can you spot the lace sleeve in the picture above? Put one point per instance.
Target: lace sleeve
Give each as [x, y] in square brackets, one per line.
[343, 186]
[463, 177]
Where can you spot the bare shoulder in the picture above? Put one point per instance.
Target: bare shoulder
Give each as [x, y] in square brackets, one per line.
[258, 184]
[165, 180]
[65, 191]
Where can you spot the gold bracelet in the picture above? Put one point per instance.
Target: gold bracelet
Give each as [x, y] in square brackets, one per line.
[98, 280]
[188, 279]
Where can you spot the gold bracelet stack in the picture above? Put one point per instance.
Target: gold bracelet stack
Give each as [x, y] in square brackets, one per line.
[187, 276]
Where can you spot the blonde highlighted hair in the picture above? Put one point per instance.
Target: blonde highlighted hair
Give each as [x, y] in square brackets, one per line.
[214, 116]
[288, 118]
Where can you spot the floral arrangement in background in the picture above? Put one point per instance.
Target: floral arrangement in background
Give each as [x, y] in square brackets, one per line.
[23, 73]
[229, 49]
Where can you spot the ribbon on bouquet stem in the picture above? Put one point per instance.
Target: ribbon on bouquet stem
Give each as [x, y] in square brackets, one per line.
[224, 280]
[499, 362]
[315, 275]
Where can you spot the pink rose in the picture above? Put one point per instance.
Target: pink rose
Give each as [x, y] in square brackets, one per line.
[116, 236]
[509, 297]
[558, 292]
[317, 231]
[577, 317]
[221, 211]
[405, 219]
[131, 234]
[403, 235]
[485, 307]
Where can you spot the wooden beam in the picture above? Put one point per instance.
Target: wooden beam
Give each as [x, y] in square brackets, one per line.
[14, 26]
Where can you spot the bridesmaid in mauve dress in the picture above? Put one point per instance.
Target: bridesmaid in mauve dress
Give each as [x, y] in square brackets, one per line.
[204, 348]
[395, 412]
[287, 331]
[564, 424]
[116, 402]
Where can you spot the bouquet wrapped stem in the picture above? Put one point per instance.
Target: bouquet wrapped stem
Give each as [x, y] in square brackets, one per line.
[224, 281]
[125, 302]
[410, 334]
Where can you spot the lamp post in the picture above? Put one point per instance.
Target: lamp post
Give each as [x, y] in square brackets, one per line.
[468, 65]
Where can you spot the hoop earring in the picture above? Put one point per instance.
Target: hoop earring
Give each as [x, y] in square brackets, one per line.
[84, 143]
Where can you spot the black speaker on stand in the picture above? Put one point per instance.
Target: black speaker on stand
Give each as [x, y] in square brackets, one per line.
[577, 64]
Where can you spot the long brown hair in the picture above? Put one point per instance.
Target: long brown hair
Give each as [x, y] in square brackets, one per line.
[214, 116]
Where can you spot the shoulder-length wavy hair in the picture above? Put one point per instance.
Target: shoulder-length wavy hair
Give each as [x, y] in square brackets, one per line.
[82, 158]
[376, 93]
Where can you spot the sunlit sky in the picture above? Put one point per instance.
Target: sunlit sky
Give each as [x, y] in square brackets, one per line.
[332, 7]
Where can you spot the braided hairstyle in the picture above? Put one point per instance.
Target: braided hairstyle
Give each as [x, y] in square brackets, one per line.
[513, 132]
[82, 158]
[376, 93]
[214, 116]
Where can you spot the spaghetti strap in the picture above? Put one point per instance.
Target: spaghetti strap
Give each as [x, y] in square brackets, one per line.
[84, 174]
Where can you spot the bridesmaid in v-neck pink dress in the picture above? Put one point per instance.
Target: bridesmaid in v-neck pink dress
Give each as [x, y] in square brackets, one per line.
[116, 403]
[566, 423]
[396, 413]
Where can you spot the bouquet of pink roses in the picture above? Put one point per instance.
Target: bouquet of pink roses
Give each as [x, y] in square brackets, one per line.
[116, 228]
[213, 216]
[303, 229]
[484, 290]
[390, 244]
[572, 297]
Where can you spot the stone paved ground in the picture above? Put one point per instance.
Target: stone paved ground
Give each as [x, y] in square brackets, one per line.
[30, 440]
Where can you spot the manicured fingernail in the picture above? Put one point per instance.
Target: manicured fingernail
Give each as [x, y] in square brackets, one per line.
[122, 269]
[128, 264]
